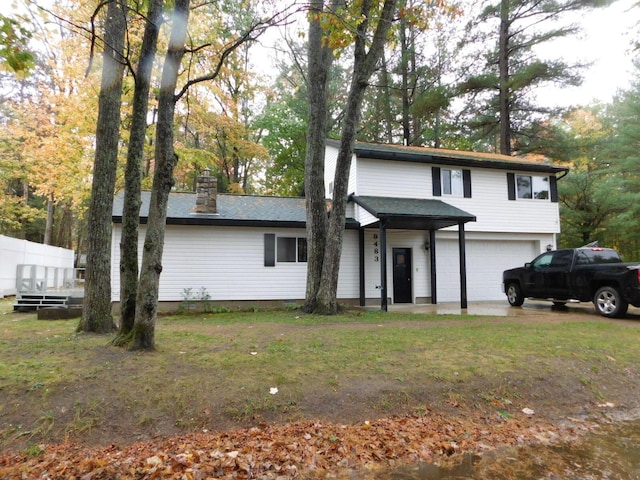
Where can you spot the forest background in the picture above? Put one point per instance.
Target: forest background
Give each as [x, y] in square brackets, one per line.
[436, 85]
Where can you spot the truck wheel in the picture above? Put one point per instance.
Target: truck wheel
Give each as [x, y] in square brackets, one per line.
[609, 302]
[514, 295]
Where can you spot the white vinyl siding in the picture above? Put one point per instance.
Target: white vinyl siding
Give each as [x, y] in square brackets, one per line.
[364, 217]
[496, 213]
[394, 179]
[331, 158]
[490, 204]
[229, 263]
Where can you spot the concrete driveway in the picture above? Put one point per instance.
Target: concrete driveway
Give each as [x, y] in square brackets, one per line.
[503, 309]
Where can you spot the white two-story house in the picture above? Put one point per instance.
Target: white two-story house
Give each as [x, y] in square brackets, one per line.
[424, 226]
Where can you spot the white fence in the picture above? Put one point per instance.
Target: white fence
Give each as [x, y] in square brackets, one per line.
[14, 252]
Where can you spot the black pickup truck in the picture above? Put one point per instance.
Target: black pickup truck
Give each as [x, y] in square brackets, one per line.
[588, 274]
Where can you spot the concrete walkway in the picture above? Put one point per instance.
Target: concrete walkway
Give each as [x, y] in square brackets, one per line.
[497, 308]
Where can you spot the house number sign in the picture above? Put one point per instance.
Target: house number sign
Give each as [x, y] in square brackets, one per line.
[376, 248]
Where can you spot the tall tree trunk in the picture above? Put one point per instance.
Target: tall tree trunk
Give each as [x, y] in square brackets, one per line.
[386, 98]
[404, 71]
[133, 173]
[48, 229]
[319, 61]
[416, 135]
[96, 314]
[364, 66]
[505, 90]
[166, 159]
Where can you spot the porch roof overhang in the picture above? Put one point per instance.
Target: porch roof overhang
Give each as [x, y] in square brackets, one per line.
[413, 213]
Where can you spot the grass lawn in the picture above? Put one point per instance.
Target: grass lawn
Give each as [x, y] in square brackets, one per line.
[212, 372]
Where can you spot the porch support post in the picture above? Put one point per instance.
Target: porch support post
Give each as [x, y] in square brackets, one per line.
[361, 254]
[383, 265]
[432, 269]
[463, 266]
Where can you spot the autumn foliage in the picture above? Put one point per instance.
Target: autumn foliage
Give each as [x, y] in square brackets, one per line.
[309, 449]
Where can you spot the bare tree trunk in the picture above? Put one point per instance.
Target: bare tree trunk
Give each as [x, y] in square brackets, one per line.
[96, 314]
[133, 174]
[404, 67]
[386, 95]
[48, 229]
[364, 66]
[319, 62]
[166, 159]
[505, 91]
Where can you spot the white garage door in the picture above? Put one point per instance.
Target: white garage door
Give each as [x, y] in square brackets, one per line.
[486, 260]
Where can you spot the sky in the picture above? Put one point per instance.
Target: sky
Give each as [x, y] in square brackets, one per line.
[606, 42]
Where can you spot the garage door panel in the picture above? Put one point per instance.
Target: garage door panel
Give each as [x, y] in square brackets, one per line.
[486, 260]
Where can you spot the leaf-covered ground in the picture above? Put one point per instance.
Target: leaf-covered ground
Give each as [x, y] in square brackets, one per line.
[271, 395]
[296, 450]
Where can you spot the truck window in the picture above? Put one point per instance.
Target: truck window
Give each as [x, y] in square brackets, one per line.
[594, 256]
[543, 260]
[604, 256]
[562, 258]
[582, 258]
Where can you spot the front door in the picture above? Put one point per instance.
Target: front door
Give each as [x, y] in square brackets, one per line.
[402, 275]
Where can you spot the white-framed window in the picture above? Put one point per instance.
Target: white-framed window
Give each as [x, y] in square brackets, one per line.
[292, 249]
[452, 183]
[284, 249]
[533, 187]
[455, 182]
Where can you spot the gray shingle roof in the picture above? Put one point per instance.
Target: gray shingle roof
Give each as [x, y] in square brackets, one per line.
[413, 213]
[232, 210]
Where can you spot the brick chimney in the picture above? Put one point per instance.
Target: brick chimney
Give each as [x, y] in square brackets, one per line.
[206, 193]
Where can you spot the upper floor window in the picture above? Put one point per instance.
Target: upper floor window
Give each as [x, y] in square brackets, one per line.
[451, 181]
[532, 186]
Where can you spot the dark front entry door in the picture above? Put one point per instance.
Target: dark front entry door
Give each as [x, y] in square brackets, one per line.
[402, 275]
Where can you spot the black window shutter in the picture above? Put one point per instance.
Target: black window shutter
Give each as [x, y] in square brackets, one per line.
[511, 185]
[466, 183]
[553, 185]
[269, 250]
[435, 179]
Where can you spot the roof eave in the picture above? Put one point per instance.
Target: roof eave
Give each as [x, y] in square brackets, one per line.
[462, 162]
[496, 164]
